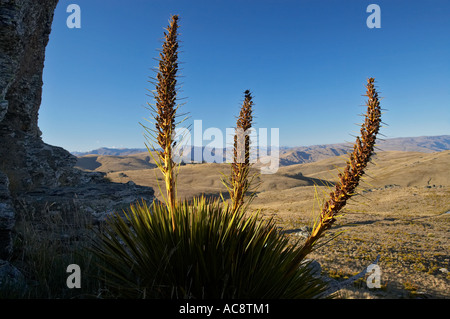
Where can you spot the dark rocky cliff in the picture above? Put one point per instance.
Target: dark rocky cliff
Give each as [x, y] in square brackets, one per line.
[30, 169]
[25, 159]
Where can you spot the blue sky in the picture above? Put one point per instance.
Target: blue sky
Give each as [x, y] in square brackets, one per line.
[306, 63]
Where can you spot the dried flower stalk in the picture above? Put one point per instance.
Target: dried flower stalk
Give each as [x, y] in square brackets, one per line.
[348, 181]
[240, 167]
[165, 111]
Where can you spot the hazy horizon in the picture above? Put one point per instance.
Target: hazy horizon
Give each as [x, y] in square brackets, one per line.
[349, 142]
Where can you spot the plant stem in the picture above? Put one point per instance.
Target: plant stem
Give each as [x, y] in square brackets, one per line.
[345, 188]
[165, 96]
[241, 159]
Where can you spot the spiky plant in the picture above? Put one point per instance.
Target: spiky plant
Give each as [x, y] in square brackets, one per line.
[345, 188]
[203, 249]
[207, 249]
[164, 111]
[214, 253]
[238, 183]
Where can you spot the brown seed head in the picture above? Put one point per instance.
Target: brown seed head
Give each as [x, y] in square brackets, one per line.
[166, 91]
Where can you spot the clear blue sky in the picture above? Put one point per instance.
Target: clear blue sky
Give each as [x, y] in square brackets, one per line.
[304, 61]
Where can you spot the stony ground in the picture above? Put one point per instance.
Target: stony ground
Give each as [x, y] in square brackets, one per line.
[407, 226]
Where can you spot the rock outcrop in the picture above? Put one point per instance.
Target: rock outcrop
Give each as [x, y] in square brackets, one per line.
[6, 217]
[27, 164]
[25, 159]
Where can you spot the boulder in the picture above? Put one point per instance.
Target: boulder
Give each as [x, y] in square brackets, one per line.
[100, 199]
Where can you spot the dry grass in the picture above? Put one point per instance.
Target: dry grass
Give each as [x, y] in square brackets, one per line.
[45, 243]
[392, 167]
[406, 169]
[406, 226]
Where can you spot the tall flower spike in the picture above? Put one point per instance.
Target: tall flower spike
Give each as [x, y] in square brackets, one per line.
[165, 111]
[240, 167]
[345, 188]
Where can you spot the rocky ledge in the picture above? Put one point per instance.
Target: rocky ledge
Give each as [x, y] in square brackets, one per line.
[100, 198]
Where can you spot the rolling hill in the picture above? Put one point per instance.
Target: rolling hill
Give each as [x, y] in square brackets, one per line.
[288, 155]
[113, 163]
[301, 166]
[394, 168]
[309, 154]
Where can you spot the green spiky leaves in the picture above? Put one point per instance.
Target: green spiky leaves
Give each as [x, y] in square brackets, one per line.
[212, 253]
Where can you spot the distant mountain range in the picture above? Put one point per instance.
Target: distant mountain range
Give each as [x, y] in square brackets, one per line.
[425, 144]
[111, 151]
[308, 154]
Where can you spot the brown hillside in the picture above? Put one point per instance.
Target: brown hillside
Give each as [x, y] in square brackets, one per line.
[389, 168]
[110, 163]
